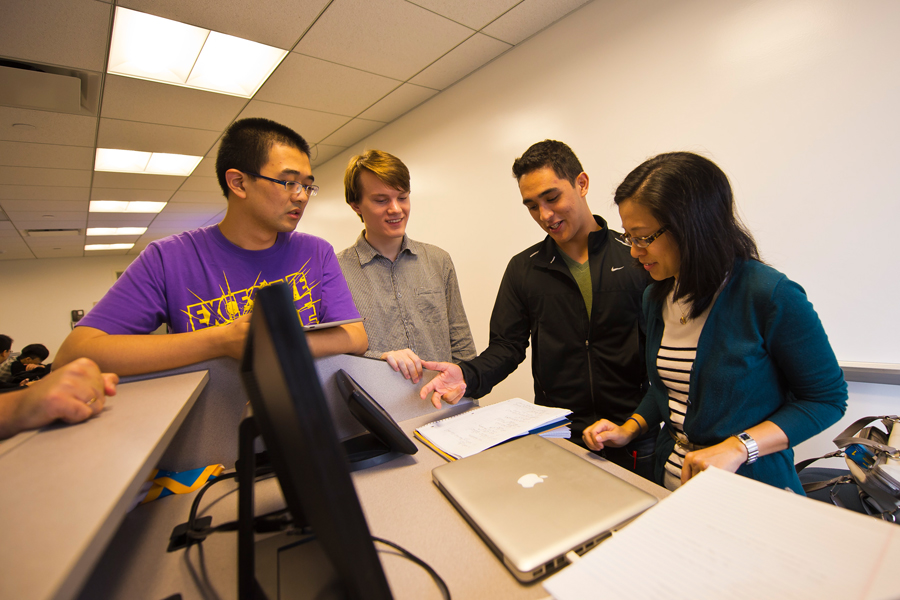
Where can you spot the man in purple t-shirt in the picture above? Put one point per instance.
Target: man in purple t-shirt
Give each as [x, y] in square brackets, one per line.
[202, 283]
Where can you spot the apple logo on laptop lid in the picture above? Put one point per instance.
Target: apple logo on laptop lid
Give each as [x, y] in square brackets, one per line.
[529, 480]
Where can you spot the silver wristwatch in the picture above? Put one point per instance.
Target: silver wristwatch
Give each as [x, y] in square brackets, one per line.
[751, 445]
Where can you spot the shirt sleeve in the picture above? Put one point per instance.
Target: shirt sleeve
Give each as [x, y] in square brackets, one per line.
[799, 346]
[337, 301]
[462, 345]
[510, 333]
[136, 303]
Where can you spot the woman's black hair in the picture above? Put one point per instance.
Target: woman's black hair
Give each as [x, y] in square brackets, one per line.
[691, 197]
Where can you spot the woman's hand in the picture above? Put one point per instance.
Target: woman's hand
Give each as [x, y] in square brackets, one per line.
[606, 433]
[728, 456]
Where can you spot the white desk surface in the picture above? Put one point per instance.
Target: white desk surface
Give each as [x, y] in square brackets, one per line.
[401, 505]
[66, 489]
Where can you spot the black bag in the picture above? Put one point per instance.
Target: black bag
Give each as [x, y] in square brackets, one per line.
[873, 464]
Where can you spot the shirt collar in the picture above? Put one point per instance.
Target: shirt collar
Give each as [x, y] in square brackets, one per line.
[366, 252]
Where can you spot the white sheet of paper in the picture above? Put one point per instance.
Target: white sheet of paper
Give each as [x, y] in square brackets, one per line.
[476, 430]
[725, 536]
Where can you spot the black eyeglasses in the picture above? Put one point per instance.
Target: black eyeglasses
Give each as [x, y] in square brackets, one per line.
[292, 187]
[640, 242]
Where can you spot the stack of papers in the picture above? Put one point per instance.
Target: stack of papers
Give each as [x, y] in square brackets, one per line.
[476, 430]
[726, 536]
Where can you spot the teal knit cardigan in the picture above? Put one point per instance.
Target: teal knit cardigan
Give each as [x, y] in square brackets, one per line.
[762, 356]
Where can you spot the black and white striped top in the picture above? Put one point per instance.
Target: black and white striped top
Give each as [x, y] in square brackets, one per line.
[675, 362]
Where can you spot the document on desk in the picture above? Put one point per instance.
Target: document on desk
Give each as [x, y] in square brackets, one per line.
[476, 430]
[725, 536]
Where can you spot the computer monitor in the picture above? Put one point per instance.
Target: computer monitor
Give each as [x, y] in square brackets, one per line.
[295, 423]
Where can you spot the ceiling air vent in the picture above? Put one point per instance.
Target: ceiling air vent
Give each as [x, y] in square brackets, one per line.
[52, 232]
[30, 86]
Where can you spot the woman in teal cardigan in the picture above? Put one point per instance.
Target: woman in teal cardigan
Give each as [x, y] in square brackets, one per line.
[740, 367]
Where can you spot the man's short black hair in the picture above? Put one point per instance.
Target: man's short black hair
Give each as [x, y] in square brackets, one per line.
[549, 153]
[5, 343]
[246, 144]
[35, 351]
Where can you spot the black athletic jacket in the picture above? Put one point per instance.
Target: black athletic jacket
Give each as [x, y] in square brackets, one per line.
[596, 369]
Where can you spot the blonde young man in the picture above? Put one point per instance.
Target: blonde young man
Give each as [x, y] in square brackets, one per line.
[406, 290]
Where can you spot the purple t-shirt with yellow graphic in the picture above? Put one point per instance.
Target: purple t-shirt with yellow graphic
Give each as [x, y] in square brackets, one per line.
[199, 279]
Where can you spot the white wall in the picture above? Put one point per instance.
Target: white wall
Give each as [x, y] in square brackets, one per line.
[39, 295]
[795, 100]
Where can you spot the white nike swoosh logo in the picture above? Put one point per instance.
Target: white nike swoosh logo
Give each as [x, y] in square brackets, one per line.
[616, 268]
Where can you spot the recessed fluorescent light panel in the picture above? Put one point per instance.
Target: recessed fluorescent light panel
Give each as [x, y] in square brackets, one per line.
[150, 47]
[155, 163]
[115, 230]
[109, 246]
[118, 206]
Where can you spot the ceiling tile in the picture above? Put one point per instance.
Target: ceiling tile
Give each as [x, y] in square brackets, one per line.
[323, 153]
[149, 137]
[49, 127]
[120, 220]
[185, 221]
[45, 177]
[22, 154]
[136, 181]
[338, 89]
[402, 100]
[43, 205]
[101, 193]
[76, 223]
[529, 17]
[133, 99]
[14, 249]
[59, 253]
[206, 208]
[72, 33]
[47, 217]
[194, 217]
[198, 197]
[43, 192]
[352, 132]
[472, 13]
[201, 184]
[235, 17]
[350, 29]
[207, 166]
[311, 124]
[459, 62]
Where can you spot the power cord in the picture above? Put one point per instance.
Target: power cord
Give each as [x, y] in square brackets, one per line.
[445, 591]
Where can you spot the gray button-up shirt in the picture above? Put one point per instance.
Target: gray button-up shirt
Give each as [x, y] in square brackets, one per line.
[413, 302]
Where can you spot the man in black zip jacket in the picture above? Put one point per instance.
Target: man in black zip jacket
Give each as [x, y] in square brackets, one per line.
[578, 297]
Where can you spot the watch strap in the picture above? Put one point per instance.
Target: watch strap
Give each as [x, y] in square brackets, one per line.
[751, 445]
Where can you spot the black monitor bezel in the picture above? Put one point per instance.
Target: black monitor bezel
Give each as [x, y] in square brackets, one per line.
[296, 425]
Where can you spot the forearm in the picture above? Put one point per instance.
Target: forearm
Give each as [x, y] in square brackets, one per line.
[768, 436]
[138, 354]
[8, 403]
[346, 339]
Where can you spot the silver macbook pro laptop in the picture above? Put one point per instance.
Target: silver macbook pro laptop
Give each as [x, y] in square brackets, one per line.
[532, 502]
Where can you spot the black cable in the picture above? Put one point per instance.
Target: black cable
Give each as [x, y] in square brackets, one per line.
[445, 591]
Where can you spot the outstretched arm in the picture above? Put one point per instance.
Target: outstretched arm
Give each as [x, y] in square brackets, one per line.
[137, 354]
[345, 339]
[74, 393]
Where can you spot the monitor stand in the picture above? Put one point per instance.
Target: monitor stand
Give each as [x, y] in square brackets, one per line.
[293, 566]
[366, 450]
[285, 565]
